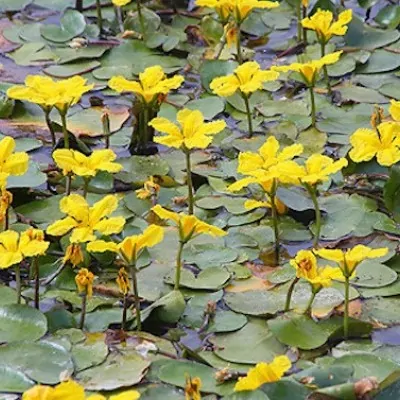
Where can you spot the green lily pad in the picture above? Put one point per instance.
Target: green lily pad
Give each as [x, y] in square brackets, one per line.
[7, 295]
[252, 344]
[14, 381]
[50, 360]
[89, 354]
[209, 255]
[119, 370]
[174, 373]
[72, 24]
[298, 331]
[212, 278]
[362, 95]
[380, 61]
[69, 70]
[19, 322]
[373, 275]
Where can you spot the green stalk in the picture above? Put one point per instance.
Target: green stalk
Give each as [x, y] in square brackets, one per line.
[304, 29]
[239, 45]
[313, 194]
[35, 264]
[145, 138]
[99, 16]
[290, 293]
[313, 109]
[79, 5]
[105, 120]
[178, 265]
[64, 128]
[124, 312]
[248, 112]
[275, 221]
[68, 185]
[189, 181]
[18, 282]
[7, 219]
[298, 14]
[346, 307]
[135, 289]
[310, 302]
[83, 311]
[141, 19]
[325, 68]
[86, 186]
[50, 126]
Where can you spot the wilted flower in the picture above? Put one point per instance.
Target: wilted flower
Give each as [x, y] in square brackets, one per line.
[123, 281]
[84, 281]
[150, 189]
[73, 254]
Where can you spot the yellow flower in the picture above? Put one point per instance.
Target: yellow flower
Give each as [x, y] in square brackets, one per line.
[318, 168]
[222, 7]
[307, 268]
[15, 247]
[84, 281]
[73, 254]
[252, 204]
[269, 164]
[152, 82]
[309, 71]
[132, 246]
[322, 23]
[123, 281]
[150, 189]
[71, 390]
[11, 163]
[192, 388]
[348, 260]
[247, 78]
[189, 226]
[305, 3]
[47, 93]
[192, 130]
[81, 165]
[366, 144]
[264, 373]
[394, 109]
[121, 3]
[83, 220]
[231, 34]
[242, 8]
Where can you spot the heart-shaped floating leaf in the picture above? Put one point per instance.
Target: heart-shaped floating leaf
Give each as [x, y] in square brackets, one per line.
[43, 361]
[374, 275]
[72, 24]
[213, 278]
[119, 370]
[20, 322]
[252, 344]
[13, 381]
[298, 331]
[174, 373]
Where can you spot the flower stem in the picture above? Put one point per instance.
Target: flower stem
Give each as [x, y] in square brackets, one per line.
[18, 282]
[239, 45]
[145, 125]
[248, 112]
[79, 5]
[83, 311]
[136, 296]
[298, 14]
[313, 110]
[189, 182]
[304, 29]
[346, 307]
[35, 264]
[275, 221]
[68, 185]
[124, 312]
[7, 219]
[178, 265]
[325, 68]
[313, 194]
[310, 302]
[141, 19]
[119, 18]
[99, 16]
[290, 292]
[50, 126]
[64, 129]
[86, 182]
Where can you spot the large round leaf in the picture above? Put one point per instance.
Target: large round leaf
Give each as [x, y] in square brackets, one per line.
[374, 275]
[19, 322]
[298, 331]
[44, 361]
[13, 381]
